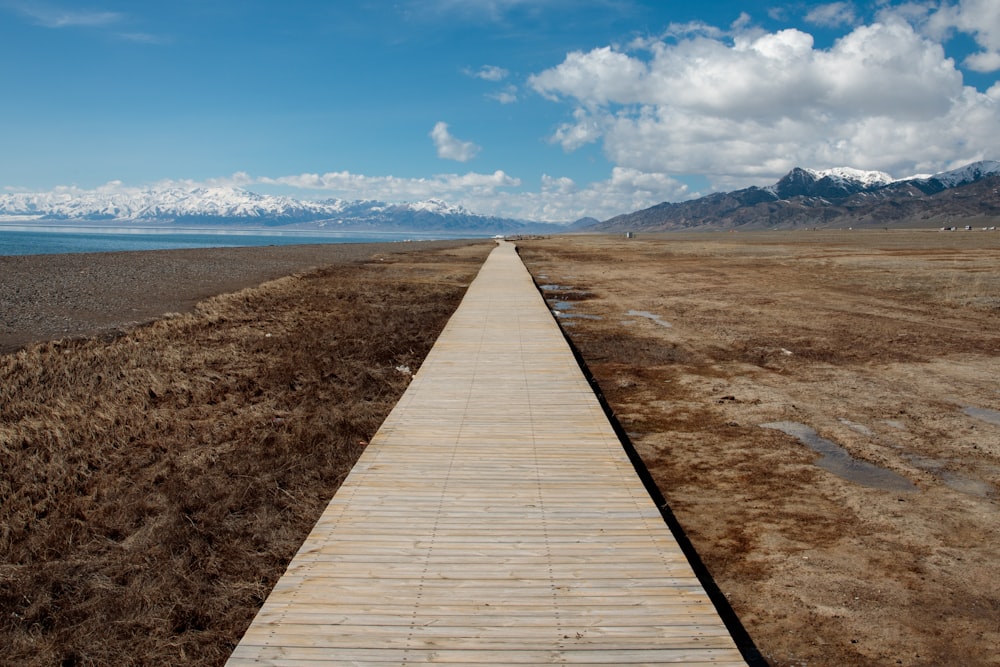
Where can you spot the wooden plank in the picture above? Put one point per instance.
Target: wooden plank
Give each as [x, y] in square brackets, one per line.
[291, 656]
[494, 519]
[680, 620]
[339, 638]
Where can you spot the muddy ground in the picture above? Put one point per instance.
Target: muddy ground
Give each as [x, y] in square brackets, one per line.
[886, 344]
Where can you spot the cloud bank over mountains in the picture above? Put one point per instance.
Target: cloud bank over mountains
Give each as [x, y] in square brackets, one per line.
[556, 200]
[743, 104]
[802, 198]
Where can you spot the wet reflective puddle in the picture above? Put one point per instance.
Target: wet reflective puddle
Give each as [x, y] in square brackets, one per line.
[984, 414]
[839, 461]
[953, 480]
[561, 309]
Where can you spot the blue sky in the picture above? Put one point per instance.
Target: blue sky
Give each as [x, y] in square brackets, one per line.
[551, 109]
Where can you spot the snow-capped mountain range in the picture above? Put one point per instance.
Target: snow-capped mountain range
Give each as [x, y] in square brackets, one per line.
[232, 205]
[844, 178]
[967, 174]
[802, 197]
[160, 204]
[833, 197]
[844, 181]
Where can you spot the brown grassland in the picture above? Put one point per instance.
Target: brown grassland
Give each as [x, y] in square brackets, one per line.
[155, 483]
[879, 341]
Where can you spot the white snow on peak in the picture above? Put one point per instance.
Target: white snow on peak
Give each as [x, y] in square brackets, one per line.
[164, 203]
[969, 173]
[874, 179]
[137, 204]
[866, 178]
[437, 206]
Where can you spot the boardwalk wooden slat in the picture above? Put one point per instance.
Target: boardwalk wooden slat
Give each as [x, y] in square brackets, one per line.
[289, 656]
[494, 519]
[616, 620]
[341, 638]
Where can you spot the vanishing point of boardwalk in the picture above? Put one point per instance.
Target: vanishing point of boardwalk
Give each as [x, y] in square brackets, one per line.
[495, 519]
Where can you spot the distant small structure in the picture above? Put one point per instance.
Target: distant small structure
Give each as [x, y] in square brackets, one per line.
[630, 235]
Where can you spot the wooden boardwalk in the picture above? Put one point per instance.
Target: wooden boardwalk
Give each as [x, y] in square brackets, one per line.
[495, 519]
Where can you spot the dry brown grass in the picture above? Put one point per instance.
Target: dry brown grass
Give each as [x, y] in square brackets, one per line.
[153, 487]
[892, 333]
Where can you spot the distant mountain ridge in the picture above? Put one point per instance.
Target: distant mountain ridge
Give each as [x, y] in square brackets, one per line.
[801, 198]
[236, 206]
[832, 197]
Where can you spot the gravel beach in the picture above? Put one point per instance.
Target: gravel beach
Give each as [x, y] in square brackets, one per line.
[47, 297]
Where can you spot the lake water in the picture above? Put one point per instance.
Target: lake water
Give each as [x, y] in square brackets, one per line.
[61, 240]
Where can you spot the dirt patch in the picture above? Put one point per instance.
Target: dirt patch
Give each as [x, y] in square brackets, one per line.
[155, 484]
[878, 342]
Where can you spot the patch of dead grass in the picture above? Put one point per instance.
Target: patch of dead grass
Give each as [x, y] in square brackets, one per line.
[154, 486]
[893, 332]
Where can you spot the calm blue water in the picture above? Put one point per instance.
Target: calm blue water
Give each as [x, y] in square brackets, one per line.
[52, 242]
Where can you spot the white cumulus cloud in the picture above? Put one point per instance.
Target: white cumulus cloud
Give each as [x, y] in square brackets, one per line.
[560, 199]
[489, 73]
[453, 187]
[832, 15]
[979, 18]
[554, 199]
[984, 61]
[506, 96]
[747, 105]
[450, 148]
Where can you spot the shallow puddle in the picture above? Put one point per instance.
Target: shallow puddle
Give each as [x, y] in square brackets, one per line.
[966, 485]
[649, 316]
[984, 414]
[561, 309]
[839, 461]
[951, 479]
